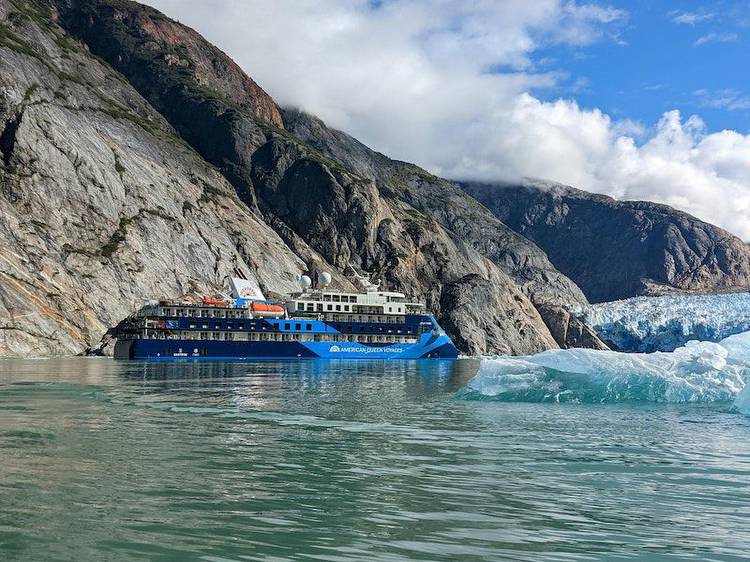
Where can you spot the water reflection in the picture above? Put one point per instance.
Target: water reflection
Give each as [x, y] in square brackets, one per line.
[351, 461]
[437, 376]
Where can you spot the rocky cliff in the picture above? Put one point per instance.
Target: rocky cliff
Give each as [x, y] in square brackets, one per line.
[102, 204]
[617, 249]
[139, 161]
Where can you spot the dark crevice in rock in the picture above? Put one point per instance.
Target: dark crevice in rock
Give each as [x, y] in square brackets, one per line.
[8, 138]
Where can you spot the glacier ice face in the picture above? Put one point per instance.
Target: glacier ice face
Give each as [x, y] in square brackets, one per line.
[695, 372]
[648, 324]
[742, 402]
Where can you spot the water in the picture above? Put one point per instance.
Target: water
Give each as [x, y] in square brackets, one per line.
[106, 460]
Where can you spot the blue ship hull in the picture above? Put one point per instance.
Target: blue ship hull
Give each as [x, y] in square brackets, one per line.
[429, 346]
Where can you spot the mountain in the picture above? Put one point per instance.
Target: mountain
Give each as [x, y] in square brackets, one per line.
[102, 204]
[138, 161]
[619, 249]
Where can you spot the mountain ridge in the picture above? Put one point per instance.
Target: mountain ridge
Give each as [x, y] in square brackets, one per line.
[173, 169]
[616, 249]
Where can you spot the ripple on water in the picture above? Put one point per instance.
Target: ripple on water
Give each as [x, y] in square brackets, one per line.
[288, 461]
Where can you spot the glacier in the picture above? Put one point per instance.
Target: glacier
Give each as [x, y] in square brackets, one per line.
[694, 372]
[742, 402]
[645, 324]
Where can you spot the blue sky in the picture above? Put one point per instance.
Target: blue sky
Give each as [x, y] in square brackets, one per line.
[663, 55]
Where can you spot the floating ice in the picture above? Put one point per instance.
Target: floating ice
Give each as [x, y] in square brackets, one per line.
[696, 372]
[665, 323]
[742, 402]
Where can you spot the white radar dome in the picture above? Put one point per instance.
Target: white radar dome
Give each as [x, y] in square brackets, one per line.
[324, 278]
[305, 282]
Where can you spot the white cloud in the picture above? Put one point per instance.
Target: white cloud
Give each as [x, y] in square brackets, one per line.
[728, 99]
[715, 37]
[679, 164]
[445, 84]
[690, 18]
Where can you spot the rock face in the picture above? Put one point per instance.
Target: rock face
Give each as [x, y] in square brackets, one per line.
[322, 191]
[137, 160]
[618, 249]
[444, 202]
[569, 330]
[464, 303]
[164, 179]
[101, 204]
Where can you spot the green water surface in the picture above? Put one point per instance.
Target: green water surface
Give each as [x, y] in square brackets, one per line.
[353, 461]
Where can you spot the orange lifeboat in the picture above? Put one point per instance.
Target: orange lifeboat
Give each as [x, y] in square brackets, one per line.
[265, 309]
[211, 301]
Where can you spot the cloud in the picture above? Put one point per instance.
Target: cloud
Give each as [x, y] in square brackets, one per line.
[690, 18]
[453, 86]
[728, 99]
[714, 37]
[678, 163]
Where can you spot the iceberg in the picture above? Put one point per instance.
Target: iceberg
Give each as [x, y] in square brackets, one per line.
[742, 402]
[695, 372]
[648, 324]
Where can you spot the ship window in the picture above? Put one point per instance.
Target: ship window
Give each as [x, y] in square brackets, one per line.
[336, 298]
[338, 308]
[204, 326]
[300, 306]
[346, 308]
[330, 307]
[240, 326]
[327, 298]
[192, 325]
[308, 327]
[353, 299]
[298, 326]
[286, 326]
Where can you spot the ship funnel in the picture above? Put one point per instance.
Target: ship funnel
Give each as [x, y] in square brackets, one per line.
[245, 289]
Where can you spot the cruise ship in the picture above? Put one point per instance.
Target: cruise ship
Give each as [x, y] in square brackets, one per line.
[313, 323]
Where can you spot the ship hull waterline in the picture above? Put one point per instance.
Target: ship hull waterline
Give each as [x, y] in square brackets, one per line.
[429, 346]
